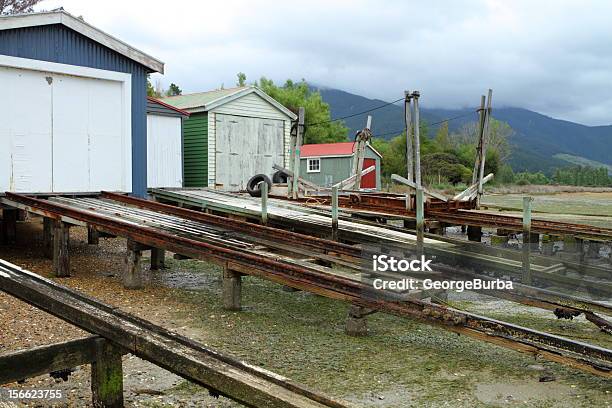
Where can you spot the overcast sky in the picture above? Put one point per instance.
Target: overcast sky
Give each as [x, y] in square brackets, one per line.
[554, 57]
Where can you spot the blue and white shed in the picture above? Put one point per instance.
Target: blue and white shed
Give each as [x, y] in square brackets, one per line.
[73, 108]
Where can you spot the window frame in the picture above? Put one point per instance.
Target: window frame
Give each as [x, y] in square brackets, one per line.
[313, 159]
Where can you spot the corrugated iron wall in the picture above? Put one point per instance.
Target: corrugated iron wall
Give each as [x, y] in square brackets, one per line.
[57, 43]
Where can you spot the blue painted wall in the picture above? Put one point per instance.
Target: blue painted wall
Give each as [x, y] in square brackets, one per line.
[58, 43]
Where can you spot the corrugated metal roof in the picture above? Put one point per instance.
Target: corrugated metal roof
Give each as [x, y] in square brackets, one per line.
[204, 101]
[327, 149]
[79, 25]
[331, 149]
[199, 99]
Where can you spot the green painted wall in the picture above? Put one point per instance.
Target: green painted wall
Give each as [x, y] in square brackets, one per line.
[336, 169]
[195, 150]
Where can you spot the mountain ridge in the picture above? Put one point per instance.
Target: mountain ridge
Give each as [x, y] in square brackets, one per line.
[536, 141]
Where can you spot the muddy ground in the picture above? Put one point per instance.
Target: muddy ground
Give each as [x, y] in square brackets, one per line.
[401, 363]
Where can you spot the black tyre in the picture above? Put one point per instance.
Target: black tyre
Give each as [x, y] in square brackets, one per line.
[279, 177]
[254, 184]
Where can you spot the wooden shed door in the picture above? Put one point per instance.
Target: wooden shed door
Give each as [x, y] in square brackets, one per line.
[369, 180]
[244, 147]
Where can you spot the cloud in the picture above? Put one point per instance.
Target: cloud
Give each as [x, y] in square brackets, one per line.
[549, 56]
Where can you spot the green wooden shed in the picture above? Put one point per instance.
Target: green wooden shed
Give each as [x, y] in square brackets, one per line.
[231, 135]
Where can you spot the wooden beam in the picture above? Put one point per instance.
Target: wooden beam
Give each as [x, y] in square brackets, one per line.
[22, 364]
[93, 236]
[399, 179]
[48, 237]
[158, 258]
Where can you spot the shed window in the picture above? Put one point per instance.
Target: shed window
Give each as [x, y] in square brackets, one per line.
[314, 165]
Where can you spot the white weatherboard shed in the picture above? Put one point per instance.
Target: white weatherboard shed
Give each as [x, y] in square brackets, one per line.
[164, 144]
[232, 135]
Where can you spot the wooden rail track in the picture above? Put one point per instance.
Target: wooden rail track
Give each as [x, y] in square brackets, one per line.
[203, 242]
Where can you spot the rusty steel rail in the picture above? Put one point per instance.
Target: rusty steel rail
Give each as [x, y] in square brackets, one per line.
[223, 374]
[590, 358]
[523, 294]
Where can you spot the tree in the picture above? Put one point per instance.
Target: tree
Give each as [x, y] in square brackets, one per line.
[17, 6]
[173, 90]
[442, 140]
[241, 79]
[319, 127]
[150, 89]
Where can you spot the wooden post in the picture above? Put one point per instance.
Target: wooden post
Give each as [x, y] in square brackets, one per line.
[264, 203]
[334, 213]
[9, 225]
[474, 233]
[298, 146]
[486, 131]
[48, 237]
[107, 376]
[356, 323]
[409, 141]
[481, 117]
[61, 244]
[360, 153]
[158, 258]
[420, 220]
[526, 240]
[417, 141]
[132, 277]
[232, 289]
[93, 237]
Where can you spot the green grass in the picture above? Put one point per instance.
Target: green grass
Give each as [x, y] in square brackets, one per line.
[301, 336]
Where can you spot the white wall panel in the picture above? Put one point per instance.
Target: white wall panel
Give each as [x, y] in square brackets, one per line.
[164, 151]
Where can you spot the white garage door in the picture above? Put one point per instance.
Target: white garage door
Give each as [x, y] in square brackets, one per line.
[63, 133]
[245, 147]
[164, 157]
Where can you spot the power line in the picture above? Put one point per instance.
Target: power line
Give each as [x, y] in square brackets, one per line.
[355, 114]
[429, 124]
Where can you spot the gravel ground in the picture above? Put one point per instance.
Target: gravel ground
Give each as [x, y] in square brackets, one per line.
[401, 363]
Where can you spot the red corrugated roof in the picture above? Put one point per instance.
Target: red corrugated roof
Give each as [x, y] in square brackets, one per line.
[327, 149]
[182, 112]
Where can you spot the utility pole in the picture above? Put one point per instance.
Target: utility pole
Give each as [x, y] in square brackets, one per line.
[298, 145]
[409, 150]
[361, 140]
[417, 142]
[486, 132]
[480, 133]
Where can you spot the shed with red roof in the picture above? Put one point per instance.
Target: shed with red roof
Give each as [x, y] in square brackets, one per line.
[329, 163]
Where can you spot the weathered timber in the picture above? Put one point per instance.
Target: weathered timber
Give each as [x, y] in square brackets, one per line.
[158, 259]
[93, 236]
[232, 289]
[277, 269]
[107, 376]
[22, 364]
[244, 383]
[356, 322]
[61, 249]
[132, 275]
[9, 226]
[48, 237]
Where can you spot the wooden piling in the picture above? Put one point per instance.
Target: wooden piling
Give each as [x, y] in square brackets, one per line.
[48, 237]
[420, 219]
[132, 276]
[409, 141]
[264, 203]
[474, 233]
[356, 323]
[334, 213]
[61, 253]
[158, 259]
[107, 376]
[526, 280]
[232, 289]
[93, 237]
[9, 226]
